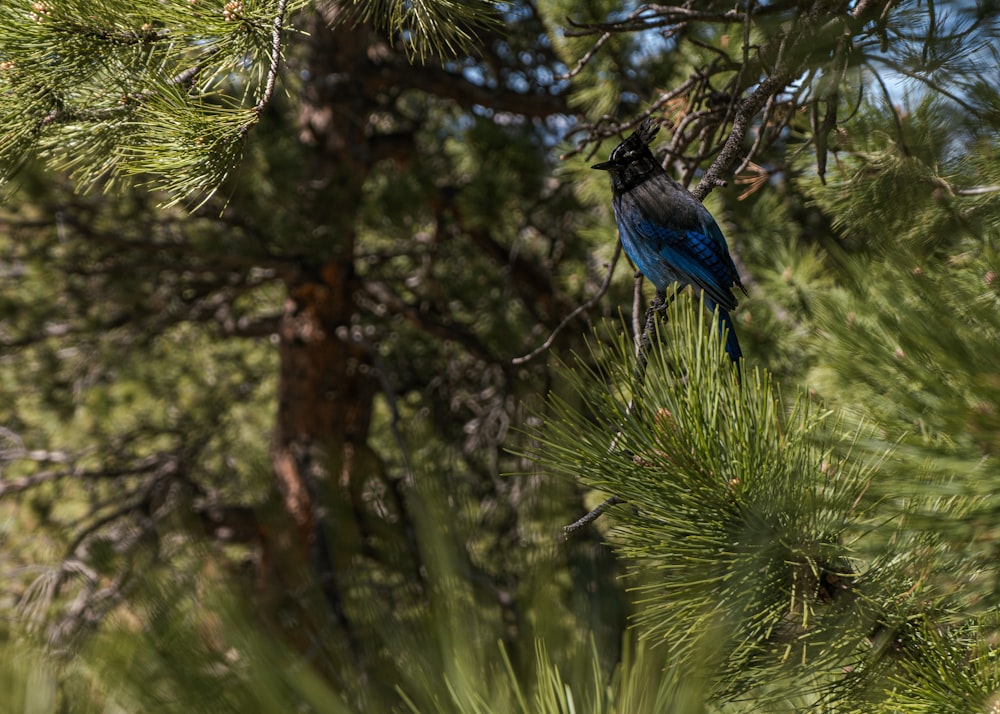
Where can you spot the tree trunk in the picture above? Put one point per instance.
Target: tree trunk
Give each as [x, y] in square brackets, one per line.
[320, 455]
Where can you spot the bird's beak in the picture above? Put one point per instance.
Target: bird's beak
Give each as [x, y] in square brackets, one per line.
[604, 166]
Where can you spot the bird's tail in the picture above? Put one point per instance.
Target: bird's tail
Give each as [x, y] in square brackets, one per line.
[727, 329]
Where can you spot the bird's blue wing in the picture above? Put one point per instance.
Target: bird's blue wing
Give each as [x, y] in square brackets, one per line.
[670, 236]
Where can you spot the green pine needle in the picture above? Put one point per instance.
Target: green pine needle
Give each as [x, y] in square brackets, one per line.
[430, 27]
[110, 90]
[948, 671]
[187, 145]
[738, 507]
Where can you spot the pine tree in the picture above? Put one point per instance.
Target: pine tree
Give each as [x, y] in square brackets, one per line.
[378, 247]
[225, 392]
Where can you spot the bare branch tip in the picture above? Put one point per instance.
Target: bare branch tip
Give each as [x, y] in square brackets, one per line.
[590, 517]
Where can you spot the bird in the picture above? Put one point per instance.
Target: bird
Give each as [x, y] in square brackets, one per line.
[667, 233]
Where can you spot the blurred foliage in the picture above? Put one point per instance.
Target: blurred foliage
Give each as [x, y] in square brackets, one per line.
[821, 537]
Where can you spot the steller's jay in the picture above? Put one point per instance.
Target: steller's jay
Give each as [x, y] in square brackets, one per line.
[667, 232]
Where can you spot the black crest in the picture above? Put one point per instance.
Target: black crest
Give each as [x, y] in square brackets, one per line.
[632, 162]
[647, 131]
[637, 144]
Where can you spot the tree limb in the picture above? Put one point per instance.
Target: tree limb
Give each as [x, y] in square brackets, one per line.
[449, 85]
[732, 149]
[583, 307]
[384, 295]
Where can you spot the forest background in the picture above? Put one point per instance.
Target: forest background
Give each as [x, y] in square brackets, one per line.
[314, 336]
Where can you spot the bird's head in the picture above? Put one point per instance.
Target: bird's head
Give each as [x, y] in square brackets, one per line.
[632, 162]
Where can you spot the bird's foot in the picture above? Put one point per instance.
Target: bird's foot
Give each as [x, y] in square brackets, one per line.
[659, 305]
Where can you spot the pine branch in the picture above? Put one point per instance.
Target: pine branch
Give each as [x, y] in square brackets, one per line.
[740, 507]
[272, 72]
[592, 516]
[440, 82]
[649, 17]
[103, 79]
[742, 119]
[429, 27]
[386, 299]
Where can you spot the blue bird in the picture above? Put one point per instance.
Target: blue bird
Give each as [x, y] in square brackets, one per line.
[667, 232]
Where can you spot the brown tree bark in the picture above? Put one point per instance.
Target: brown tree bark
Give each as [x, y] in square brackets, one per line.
[322, 530]
[320, 454]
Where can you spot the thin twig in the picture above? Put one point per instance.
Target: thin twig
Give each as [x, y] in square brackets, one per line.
[977, 191]
[580, 308]
[741, 124]
[591, 517]
[594, 134]
[129, 507]
[761, 133]
[896, 67]
[636, 308]
[658, 16]
[657, 307]
[680, 138]
[582, 62]
[26, 482]
[900, 134]
[272, 72]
